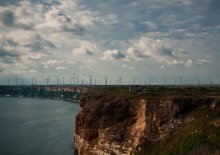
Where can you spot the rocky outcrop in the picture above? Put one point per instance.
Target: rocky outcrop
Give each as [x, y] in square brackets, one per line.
[118, 123]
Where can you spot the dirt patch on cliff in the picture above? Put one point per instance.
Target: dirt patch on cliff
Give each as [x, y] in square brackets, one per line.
[142, 122]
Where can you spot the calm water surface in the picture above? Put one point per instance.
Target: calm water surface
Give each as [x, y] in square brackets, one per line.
[36, 126]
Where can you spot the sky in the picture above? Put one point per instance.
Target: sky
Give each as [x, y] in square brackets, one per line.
[150, 40]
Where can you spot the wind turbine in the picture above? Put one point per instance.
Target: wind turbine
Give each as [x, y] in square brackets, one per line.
[119, 80]
[35, 79]
[63, 80]
[16, 80]
[73, 78]
[181, 80]
[71, 82]
[134, 79]
[48, 80]
[57, 79]
[82, 81]
[187, 81]
[95, 81]
[106, 80]
[197, 80]
[90, 79]
[176, 82]
[77, 80]
[150, 80]
[32, 81]
[164, 79]
[210, 80]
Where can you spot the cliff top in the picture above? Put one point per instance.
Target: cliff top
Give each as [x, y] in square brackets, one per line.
[161, 92]
[149, 120]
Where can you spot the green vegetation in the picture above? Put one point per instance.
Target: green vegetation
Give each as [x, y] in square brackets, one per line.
[161, 91]
[199, 136]
[197, 133]
[40, 93]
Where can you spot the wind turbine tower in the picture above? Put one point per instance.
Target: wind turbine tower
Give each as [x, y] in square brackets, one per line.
[210, 81]
[48, 80]
[16, 80]
[77, 80]
[119, 80]
[181, 80]
[134, 79]
[82, 81]
[73, 80]
[32, 81]
[197, 80]
[164, 80]
[150, 80]
[90, 79]
[95, 81]
[106, 80]
[57, 80]
[35, 80]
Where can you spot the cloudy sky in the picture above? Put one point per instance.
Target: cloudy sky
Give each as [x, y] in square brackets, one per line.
[142, 38]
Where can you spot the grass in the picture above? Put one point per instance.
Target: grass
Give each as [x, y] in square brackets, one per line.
[197, 137]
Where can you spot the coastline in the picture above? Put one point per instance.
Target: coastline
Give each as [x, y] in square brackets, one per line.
[67, 100]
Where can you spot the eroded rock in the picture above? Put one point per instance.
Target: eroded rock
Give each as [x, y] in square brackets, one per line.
[115, 124]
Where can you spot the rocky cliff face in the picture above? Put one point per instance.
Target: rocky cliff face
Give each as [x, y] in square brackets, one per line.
[117, 123]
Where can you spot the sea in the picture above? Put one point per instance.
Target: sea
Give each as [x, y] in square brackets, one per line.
[33, 126]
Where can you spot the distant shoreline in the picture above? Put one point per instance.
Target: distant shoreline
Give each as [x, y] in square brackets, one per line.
[67, 100]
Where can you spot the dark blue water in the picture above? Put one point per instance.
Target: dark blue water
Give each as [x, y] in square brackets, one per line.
[36, 126]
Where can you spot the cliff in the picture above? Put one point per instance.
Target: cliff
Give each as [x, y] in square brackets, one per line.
[120, 122]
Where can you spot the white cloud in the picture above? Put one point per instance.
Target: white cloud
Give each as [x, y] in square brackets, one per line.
[112, 55]
[71, 62]
[52, 21]
[86, 48]
[68, 4]
[150, 25]
[159, 50]
[36, 30]
[22, 37]
[66, 17]
[189, 63]
[82, 67]
[60, 68]
[184, 2]
[108, 19]
[126, 66]
[33, 71]
[202, 61]
[36, 56]
[58, 34]
[27, 13]
[52, 62]
[174, 2]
